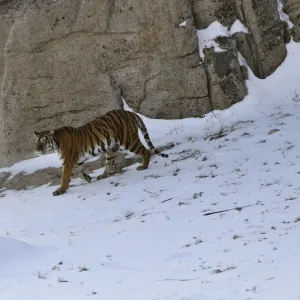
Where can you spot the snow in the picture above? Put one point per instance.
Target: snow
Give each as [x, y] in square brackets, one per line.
[283, 16]
[144, 234]
[14, 250]
[237, 26]
[183, 24]
[207, 36]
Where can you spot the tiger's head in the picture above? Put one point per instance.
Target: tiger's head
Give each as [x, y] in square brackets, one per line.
[44, 142]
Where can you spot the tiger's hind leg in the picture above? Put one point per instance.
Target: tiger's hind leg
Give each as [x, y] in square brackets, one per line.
[138, 148]
[146, 159]
[79, 172]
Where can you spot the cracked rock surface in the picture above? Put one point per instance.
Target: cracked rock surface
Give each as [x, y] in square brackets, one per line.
[67, 62]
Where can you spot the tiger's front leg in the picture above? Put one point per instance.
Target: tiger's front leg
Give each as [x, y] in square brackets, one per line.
[65, 179]
[109, 161]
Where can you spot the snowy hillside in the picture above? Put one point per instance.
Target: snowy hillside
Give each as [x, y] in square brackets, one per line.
[145, 236]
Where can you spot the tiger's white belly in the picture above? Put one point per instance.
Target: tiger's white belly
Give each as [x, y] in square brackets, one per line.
[98, 150]
[87, 156]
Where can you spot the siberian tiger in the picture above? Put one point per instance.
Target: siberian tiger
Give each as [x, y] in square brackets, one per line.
[102, 135]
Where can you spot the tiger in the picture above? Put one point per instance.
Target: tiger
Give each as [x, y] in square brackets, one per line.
[104, 135]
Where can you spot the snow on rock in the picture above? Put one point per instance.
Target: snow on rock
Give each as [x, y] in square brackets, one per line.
[283, 16]
[182, 24]
[206, 37]
[237, 26]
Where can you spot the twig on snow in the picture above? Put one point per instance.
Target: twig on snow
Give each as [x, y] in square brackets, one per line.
[239, 208]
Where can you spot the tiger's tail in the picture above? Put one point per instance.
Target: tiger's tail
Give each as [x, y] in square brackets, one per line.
[145, 133]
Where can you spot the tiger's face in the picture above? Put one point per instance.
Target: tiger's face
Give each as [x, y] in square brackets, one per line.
[44, 142]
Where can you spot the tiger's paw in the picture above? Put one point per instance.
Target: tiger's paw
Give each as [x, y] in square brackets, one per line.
[102, 176]
[140, 168]
[87, 177]
[58, 192]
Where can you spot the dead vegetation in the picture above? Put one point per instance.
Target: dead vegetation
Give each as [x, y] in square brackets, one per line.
[225, 130]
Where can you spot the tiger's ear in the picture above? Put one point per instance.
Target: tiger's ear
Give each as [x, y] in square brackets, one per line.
[36, 134]
[51, 132]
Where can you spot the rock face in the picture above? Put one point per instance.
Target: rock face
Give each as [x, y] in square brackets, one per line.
[292, 9]
[67, 62]
[264, 46]
[225, 77]
[47, 76]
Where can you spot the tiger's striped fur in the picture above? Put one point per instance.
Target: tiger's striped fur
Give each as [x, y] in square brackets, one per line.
[102, 135]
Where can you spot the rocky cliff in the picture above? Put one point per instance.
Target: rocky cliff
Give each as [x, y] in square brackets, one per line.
[64, 62]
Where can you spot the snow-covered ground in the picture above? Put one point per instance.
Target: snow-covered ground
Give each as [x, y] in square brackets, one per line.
[144, 235]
